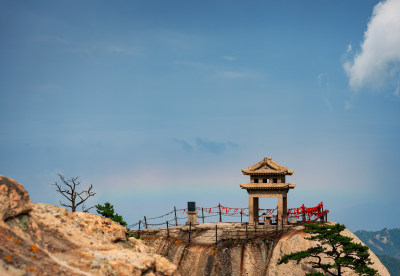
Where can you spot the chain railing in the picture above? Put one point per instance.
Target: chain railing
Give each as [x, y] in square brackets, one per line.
[172, 219]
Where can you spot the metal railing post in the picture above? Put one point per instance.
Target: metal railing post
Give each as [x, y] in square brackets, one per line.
[167, 230]
[176, 219]
[220, 217]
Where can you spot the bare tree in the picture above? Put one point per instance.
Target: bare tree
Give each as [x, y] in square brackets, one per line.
[69, 192]
[84, 209]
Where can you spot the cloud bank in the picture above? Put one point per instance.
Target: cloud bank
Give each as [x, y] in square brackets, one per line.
[214, 147]
[206, 145]
[378, 62]
[185, 145]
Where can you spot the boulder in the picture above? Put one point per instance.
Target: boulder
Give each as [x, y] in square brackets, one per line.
[14, 200]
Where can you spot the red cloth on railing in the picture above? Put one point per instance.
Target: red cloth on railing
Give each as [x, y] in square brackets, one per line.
[308, 214]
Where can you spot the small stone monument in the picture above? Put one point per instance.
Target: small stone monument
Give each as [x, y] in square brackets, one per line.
[192, 213]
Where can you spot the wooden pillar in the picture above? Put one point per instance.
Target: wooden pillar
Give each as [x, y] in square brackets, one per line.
[251, 209]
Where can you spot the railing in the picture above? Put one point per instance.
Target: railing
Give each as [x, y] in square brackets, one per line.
[172, 218]
[307, 214]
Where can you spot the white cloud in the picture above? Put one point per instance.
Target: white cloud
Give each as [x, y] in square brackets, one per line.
[378, 62]
[229, 58]
[323, 80]
[347, 105]
[397, 91]
[221, 73]
[349, 48]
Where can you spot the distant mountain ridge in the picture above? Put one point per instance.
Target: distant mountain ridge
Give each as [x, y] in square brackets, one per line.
[383, 242]
[392, 264]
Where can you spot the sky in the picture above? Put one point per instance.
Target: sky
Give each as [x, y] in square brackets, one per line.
[157, 103]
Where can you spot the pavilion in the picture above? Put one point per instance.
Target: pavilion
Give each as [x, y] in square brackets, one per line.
[267, 179]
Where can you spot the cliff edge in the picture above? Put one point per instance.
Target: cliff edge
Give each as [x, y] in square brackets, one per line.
[41, 239]
[234, 251]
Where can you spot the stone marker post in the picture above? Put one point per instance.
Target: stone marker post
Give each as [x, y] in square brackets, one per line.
[192, 214]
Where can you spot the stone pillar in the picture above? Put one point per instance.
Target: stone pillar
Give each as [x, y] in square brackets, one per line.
[284, 209]
[192, 218]
[255, 206]
[251, 210]
[280, 209]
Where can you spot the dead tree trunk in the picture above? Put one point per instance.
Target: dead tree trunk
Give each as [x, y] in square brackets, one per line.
[68, 188]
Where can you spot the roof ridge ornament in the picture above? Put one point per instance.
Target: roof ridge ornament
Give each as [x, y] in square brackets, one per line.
[267, 166]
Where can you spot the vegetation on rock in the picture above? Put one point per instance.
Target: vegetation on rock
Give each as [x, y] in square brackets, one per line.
[340, 250]
[107, 210]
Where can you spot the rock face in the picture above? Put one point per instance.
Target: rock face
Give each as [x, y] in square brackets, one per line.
[227, 258]
[258, 256]
[41, 239]
[14, 199]
[294, 241]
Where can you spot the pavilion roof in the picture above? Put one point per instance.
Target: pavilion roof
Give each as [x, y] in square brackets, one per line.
[267, 166]
[267, 186]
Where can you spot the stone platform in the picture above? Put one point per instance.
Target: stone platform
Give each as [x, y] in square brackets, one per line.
[205, 233]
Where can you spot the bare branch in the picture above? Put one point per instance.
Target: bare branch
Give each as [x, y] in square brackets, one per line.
[65, 181]
[71, 194]
[65, 205]
[84, 209]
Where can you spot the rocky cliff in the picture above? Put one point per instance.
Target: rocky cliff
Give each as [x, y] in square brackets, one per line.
[256, 256]
[41, 239]
[230, 251]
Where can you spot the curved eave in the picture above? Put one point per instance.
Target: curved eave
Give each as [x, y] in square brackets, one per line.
[268, 186]
[248, 172]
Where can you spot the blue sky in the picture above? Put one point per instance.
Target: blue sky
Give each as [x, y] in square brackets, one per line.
[157, 103]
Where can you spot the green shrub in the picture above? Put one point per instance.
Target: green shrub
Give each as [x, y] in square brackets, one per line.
[107, 210]
[340, 250]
